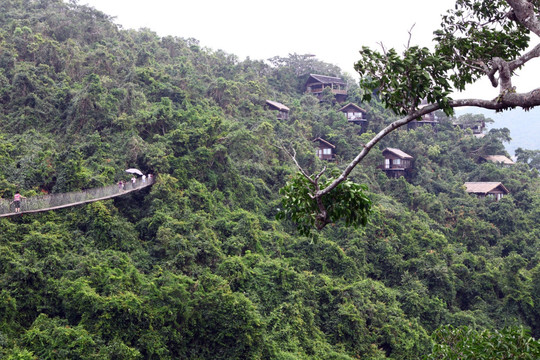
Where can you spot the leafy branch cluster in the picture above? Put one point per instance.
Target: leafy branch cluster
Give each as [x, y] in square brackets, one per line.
[349, 203]
[403, 82]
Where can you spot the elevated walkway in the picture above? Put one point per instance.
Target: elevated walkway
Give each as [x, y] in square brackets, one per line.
[41, 203]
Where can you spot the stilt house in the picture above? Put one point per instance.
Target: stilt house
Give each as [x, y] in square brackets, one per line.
[316, 84]
[283, 111]
[396, 163]
[325, 150]
[356, 115]
[476, 125]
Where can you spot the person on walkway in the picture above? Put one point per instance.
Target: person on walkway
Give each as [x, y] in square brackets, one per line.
[144, 179]
[17, 201]
[133, 181]
[121, 185]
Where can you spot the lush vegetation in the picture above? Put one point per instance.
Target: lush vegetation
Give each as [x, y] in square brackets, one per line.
[198, 267]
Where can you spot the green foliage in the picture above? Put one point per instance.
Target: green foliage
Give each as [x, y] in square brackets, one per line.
[347, 202]
[465, 343]
[224, 326]
[55, 339]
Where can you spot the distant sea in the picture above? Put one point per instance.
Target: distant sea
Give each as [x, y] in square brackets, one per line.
[524, 126]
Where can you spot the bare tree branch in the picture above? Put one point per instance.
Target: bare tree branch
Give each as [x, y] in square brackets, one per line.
[505, 69]
[523, 12]
[383, 48]
[301, 169]
[410, 36]
[320, 174]
[520, 61]
[505, 75]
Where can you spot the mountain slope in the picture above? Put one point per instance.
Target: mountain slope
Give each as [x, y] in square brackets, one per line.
[198, 266]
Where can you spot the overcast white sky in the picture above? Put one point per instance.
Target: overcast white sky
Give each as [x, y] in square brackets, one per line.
[334, 31]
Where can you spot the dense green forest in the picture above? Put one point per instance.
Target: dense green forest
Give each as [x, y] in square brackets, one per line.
[197, 266]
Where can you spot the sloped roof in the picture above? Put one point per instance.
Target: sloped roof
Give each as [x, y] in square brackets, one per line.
[325, 142]
[484, 187]
[327, 79]
[498, 159]
[277, 105]
[354, 106]
[399, 153]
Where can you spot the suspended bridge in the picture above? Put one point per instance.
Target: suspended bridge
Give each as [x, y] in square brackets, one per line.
[48, 202]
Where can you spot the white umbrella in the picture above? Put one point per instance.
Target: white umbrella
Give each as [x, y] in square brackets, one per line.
[134, 171]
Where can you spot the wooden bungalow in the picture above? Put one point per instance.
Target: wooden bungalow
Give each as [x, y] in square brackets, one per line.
[497, 159]
[316, 84]
[396, 163]
[427, 119]
[356, 115]
[283, 111]
[325, 151]
[493, 190]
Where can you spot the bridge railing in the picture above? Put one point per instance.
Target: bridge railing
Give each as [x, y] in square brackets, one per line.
[60, 200]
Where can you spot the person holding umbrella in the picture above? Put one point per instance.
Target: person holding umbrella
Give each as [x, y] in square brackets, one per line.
[133, 178]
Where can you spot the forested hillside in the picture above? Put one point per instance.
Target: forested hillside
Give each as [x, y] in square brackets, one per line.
[197, 266]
